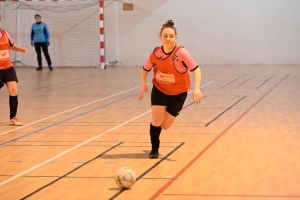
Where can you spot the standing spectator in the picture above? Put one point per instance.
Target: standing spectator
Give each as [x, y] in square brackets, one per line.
[40, 36]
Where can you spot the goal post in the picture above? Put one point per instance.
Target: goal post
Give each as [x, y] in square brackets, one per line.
[76, 30]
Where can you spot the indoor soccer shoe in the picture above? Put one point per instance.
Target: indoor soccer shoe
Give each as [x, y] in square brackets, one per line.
[153, 154]
[50, 67]
[14, 121]
[39, 68]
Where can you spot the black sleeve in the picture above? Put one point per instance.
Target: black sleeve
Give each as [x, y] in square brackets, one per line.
[147, 70]
[187, 67]
[194, 68]
[10, 44]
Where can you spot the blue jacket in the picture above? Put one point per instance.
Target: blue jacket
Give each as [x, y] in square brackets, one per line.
[40, 32]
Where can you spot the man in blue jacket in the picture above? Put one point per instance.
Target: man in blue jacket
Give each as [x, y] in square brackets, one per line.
[40, 37]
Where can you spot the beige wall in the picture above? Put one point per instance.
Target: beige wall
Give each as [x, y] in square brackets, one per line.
[214, 31]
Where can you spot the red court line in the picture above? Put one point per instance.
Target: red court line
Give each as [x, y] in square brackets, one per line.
[161, 190]
[245, 81]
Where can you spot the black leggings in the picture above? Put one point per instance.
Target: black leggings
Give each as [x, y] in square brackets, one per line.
[44, 47]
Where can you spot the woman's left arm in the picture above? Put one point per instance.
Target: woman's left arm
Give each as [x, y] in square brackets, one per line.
[15, 47]
[197, 95]
[192, 65]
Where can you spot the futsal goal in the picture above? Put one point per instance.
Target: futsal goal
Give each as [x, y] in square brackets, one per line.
[76, 30]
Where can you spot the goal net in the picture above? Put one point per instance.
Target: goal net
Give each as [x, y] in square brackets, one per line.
[73, 25]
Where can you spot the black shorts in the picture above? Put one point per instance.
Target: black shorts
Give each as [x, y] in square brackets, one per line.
[174, 103]
[7, 75]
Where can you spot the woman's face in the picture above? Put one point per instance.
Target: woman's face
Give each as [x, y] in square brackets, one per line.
[37, 19]
[168, 37]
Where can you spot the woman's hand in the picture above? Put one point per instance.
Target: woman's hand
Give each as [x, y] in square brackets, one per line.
[144, 89]
[197, 95]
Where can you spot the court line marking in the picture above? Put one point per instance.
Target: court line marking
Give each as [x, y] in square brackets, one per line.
[189, 164]
[265, 82]
[97, 157]
[69, 150]
[270, 134]
[63, 86]
[233, 80]
[78, 145]
[90, 177]
[75, 108]
[150, 169]
[70, 172]
[65, 120]
[78, 78]
[71, 145]
[192, 102]
[96, 141]
[206, 125]
[245, 81]
[231, 195]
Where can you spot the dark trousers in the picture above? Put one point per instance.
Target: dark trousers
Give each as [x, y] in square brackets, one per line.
[44, 47]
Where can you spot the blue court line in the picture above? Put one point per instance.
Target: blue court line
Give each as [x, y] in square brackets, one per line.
[60, 122]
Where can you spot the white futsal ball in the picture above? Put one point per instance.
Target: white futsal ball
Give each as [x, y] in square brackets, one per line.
[125, 177]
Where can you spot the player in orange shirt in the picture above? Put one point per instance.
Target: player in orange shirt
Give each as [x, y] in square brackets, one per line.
[8, 74]
[171, 82]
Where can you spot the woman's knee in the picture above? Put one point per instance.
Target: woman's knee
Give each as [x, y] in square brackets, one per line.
[13, 92]
[165, 126]
[168, 121]
[12, 88]
[157, 121]
[158, 113]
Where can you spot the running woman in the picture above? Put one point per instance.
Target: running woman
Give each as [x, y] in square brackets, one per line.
[8, 74]
[171, 82]
[40, 36]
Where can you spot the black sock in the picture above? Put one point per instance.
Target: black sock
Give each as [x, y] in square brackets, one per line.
[13, 105]
[154, 136]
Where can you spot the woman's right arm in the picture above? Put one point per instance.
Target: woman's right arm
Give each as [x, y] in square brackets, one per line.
[144, 87]
[16, 48]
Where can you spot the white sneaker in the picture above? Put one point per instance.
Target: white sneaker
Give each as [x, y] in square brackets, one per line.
[14, 121]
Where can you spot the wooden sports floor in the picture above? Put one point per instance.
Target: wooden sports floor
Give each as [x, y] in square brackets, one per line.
[80, 125]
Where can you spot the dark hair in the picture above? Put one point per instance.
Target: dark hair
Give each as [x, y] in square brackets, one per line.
[37, 15]
[168, 24]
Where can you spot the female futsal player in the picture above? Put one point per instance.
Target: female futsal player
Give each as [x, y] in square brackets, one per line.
[8, 73]
[171, 82]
